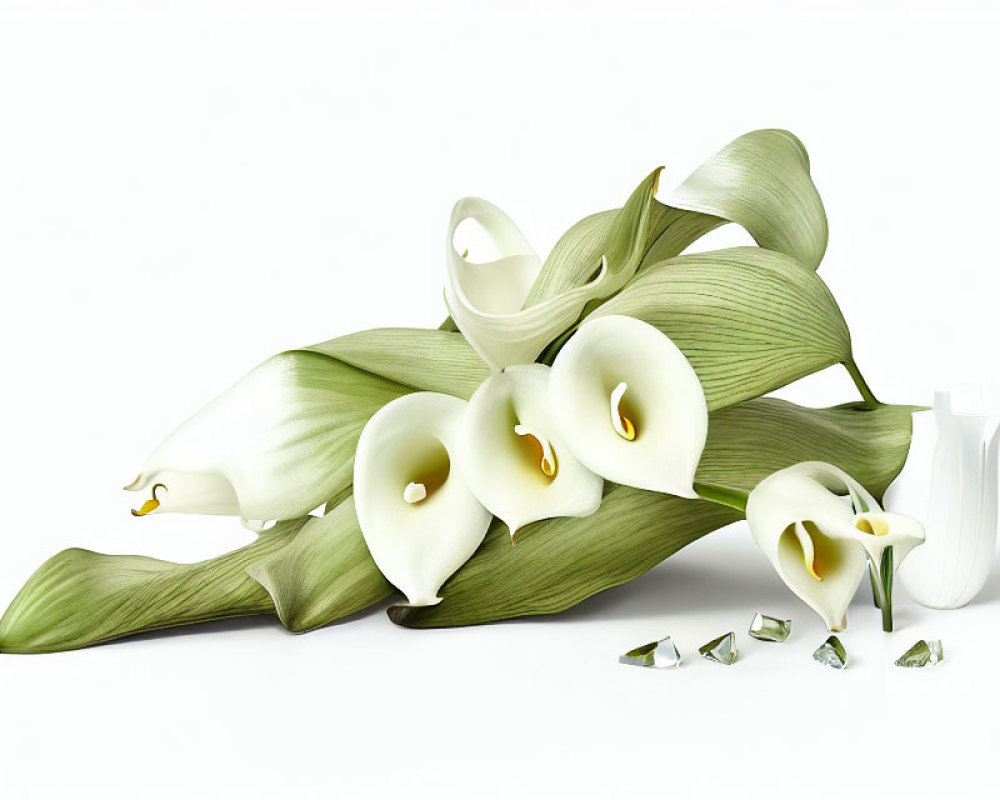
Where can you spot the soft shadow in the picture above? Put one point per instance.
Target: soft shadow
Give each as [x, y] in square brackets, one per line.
[682, 586]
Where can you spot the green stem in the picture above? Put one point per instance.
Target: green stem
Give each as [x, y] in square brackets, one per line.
[885, 576]
[871, 401]
[723, 495]
[876, 589]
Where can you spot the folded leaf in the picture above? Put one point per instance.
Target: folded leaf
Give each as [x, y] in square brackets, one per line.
[749, 320]
[490, 301]
[760, 181]
[281, 441]
[324, 574]
[557, 563]
[79, 598]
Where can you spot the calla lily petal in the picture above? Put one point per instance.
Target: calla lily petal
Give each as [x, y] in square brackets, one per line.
[486, 299]
[274, 446]
[877, 530]
[513, 456]
[419, 518]
[630, 406]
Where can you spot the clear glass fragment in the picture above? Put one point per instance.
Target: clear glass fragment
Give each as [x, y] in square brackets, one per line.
[722, 650]
[832, 653]
[922, 654]
[659, 655]
[770, 629]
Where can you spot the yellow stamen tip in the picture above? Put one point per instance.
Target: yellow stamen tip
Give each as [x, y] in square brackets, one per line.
[466, 253]
[547, 456]
[623, 425]
[150, 505]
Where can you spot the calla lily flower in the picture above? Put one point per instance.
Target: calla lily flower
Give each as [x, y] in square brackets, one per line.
[419, 518]
[821, 529]
[513, 456]
[486, 299]
[275, 446]
[630, 406]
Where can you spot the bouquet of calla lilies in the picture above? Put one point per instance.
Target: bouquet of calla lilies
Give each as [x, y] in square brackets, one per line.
[574, 422]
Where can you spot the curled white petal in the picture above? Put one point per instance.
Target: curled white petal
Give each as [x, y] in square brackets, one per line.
[807, 531]
[877, 530]
[416, 543]
[630, 367]
[486, 300]
[274, 446]
[513, 456]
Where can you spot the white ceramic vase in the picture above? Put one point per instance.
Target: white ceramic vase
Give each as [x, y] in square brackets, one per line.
[949, 482]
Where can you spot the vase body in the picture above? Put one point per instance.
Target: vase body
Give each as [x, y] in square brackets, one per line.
[950, 482]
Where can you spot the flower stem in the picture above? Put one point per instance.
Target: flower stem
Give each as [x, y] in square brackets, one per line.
[723, 495]
[871, 401]
[876, 589]
[886, 570]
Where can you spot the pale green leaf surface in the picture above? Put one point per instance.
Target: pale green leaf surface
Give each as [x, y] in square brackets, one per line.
[557, 563]
[749, 320]
[324, 574]
[426, 360]
[79, 598]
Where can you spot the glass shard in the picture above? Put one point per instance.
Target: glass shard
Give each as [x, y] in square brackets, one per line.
[770, 629]
[922, 654]
[723, 650]
[659, 655]
[832, 653]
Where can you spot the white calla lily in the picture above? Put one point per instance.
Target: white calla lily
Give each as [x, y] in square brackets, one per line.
[513, 457]
[821, 530]
[274, 446]
[419, 518]
[486, 300]
[630, 406]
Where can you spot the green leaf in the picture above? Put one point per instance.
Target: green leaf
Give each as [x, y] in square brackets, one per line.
[760, 181]
[749, 320]
[749, 441]
[425, 360]
[557, 563]
[325, 574]
[79, 598]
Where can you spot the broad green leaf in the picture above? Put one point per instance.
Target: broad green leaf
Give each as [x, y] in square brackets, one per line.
[759, 181]
[557, 563]
[751, 440]
[324, 574]
[79, 598]
[281, 441]
[749, 320]
[426, 360]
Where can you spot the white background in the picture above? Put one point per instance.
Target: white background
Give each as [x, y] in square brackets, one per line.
[187, 188]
